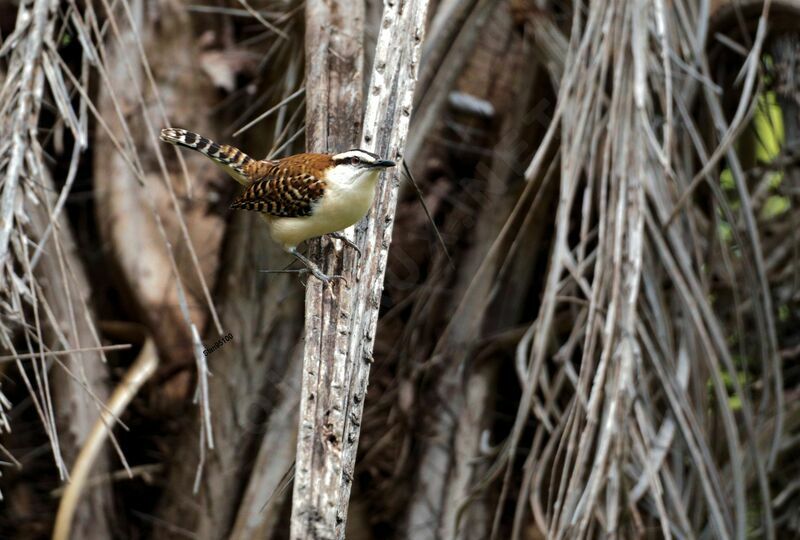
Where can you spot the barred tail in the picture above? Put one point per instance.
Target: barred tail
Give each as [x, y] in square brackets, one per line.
[232, 160]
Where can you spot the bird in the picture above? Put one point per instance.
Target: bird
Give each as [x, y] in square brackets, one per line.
[301, 196]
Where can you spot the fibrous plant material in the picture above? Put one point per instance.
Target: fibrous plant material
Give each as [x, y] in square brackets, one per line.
[618, 143]
[44, 291]
[252, 379]
[167, 250]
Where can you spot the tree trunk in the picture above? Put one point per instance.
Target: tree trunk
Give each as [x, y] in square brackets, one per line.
[340, 323]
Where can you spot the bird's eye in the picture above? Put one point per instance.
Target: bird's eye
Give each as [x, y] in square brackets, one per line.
[354, 161]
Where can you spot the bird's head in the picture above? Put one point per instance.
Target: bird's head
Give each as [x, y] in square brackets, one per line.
[357, 165]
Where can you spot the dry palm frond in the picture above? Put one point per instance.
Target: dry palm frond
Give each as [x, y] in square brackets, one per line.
[608, 448]
[638, 402]
[44, 292]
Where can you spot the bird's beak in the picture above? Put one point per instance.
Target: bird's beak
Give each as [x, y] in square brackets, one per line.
[383, 164]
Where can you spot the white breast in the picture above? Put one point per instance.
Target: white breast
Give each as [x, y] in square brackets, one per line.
[343, 204]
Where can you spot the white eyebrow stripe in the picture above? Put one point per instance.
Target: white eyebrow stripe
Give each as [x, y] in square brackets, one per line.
[363, 156]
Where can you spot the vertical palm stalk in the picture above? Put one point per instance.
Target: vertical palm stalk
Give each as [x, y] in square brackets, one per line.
[340, 326]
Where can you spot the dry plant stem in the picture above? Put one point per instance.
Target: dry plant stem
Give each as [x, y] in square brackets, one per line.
[150, 233]
[57, 289]
[265, 315]
[449, 499]
[79, 380]
[334, 75]
[611, 154]
[27, 60]
[763, 297]
[340, 327]
[141, 370]
[446, 24]
[551, 44]
[53, 292]
[430, 104]
[262, 502]
[29, 356]
[264, 312]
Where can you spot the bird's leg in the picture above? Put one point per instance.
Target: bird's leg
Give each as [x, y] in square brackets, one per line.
[314, 269]
[347, 241]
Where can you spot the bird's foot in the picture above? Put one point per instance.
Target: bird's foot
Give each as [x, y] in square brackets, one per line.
[347, 241]
[315, 271]
[326, 279]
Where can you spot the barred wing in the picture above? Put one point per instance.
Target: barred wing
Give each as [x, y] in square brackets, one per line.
[282, 196]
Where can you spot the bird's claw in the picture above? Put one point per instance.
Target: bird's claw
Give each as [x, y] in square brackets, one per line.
[325, 278]
[315, 270]
[328, 280]
[347, 242]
